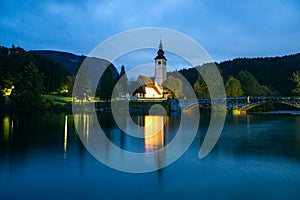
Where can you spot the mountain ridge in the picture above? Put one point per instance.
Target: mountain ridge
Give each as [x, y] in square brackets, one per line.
[68, 60]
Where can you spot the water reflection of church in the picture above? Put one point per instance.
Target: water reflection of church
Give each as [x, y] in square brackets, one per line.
[153, 127]
[153, 139]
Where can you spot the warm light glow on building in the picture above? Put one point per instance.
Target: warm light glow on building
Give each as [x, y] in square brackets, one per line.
[151, 93]
[154, 132]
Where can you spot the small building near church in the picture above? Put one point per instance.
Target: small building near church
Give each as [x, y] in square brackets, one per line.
[147, 88]
[152, 88]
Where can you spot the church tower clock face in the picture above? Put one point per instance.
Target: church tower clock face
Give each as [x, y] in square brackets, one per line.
[160, 66]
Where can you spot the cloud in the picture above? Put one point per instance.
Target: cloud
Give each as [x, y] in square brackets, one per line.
[226, 29]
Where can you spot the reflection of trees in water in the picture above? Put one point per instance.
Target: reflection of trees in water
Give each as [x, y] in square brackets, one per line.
[33, 134]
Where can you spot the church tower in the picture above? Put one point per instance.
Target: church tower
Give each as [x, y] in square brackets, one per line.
[160, 66]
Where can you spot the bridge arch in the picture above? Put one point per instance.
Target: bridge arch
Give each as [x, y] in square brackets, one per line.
[191, 106]
[253, 105]
[242, 104]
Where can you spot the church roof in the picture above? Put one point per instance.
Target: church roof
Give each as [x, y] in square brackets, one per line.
[145, 81]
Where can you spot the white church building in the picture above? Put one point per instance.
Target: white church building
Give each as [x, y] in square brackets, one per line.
[149, 88]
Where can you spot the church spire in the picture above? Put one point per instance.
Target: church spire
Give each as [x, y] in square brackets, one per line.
[160, 45]
[160, 52]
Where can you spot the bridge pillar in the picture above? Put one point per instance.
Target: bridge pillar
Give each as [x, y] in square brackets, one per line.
[236, 112]
[243, 112]
[239, 112]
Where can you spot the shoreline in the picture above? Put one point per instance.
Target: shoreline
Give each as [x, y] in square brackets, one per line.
[277, 112]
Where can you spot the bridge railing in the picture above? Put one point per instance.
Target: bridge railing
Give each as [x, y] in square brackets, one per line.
[231, 102]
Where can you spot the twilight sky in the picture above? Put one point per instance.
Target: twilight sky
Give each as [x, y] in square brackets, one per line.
[225, 28]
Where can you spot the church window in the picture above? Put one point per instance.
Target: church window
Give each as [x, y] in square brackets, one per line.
[159, 62]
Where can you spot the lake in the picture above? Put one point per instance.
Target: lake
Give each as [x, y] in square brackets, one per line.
[256, 157]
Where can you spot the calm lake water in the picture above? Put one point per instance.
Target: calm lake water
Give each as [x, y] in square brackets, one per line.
[256, 157]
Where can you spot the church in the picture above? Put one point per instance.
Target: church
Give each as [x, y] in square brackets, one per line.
[152, 88]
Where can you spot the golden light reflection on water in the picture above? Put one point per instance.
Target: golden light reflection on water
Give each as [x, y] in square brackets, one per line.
[83, 123]
[154, 141]
[66, 136]
[152, 132]
[6, 129]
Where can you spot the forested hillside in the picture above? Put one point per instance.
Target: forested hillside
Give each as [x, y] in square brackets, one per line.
[68, 60]
[14, 60]
[273, 74]
[27, 77]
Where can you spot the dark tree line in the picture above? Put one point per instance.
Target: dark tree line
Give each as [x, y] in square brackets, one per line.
[13, 60]
[274, 73]
[252, 77]
[25, 77]
[109, 83]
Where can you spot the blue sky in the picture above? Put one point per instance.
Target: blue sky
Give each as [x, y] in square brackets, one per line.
[226, 29]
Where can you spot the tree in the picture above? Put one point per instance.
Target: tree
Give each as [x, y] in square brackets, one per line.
[123, 81]
[107, 83]
[55, 75]
[270, 92]
[28, 88]
[233, 87]
[250, 85]
[210, 82]
[200, 88]
[67, 86]
[82, 86]
[272, 72]
[174, 85]
[13, 60]
[2, 100]
[296, 79]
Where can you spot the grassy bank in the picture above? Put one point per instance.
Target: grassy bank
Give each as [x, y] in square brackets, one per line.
[57, 103]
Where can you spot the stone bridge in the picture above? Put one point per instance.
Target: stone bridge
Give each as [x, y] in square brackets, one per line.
[240, 104]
